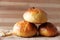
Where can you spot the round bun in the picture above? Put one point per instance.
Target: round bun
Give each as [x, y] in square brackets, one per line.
[24, 29]
[47, 29]
[35, 15]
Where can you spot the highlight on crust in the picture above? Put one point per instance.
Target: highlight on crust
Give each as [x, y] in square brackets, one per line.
[35, 15]
[47, 29]
[24, 29]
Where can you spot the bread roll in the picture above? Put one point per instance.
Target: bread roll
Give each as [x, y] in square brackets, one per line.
[35, 15]
[47, 29]
[24, 29]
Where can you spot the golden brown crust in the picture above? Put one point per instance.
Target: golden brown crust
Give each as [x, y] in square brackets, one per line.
[47, 29]
[24, 29]
[35, 15]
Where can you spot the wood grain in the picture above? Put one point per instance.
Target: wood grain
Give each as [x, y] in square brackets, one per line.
[34, 1]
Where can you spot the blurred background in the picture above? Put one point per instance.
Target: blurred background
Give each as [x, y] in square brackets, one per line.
[11, 11]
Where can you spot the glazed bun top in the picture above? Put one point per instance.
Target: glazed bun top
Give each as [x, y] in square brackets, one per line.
[47, 25]
[35, 15]
[25, 26]
[35, 10]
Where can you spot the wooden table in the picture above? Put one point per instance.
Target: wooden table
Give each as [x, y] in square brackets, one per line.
[11, 11]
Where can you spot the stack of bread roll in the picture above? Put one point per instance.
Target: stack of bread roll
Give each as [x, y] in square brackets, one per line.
[28, 28]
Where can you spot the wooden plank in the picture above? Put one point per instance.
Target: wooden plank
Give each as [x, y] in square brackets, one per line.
[12, 12]
[34, 1]
[11, 16]
[24, 8]
[29, 4]
[10, 20]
